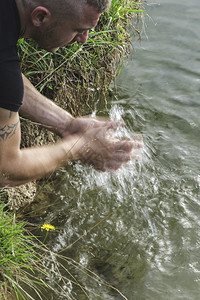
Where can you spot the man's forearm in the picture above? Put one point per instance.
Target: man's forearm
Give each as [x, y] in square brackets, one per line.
[33, 163]
[39, 109]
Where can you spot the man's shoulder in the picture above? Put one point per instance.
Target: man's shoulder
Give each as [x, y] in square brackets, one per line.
[9, 23]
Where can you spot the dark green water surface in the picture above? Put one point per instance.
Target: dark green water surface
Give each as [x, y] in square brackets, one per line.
[140, 228]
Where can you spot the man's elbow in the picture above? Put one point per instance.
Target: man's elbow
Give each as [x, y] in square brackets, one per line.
[6, 173]
[9, 176]
[4, 179]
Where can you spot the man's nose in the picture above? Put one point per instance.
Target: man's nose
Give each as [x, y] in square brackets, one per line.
[82, 37]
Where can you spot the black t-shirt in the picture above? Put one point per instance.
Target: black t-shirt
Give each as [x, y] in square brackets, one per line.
[11, 83]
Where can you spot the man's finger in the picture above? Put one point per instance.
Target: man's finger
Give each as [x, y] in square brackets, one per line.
[121, 156]
[126, 146]
[113, 165]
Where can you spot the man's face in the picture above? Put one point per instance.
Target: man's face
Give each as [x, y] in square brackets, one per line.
[61, 35]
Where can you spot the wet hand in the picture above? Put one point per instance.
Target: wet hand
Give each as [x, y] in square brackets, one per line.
[82, 124]
[94, 148]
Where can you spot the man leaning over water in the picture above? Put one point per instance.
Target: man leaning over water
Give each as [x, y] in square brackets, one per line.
[52, 24]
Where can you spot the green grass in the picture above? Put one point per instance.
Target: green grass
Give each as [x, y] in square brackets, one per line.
[16, 250]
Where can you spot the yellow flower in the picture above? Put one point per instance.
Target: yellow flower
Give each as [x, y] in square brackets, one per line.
[48, 227]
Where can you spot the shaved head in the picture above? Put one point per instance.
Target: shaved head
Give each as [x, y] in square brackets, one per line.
[62, 6]
[59, 23]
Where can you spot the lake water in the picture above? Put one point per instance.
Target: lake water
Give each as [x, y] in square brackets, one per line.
[139, 229]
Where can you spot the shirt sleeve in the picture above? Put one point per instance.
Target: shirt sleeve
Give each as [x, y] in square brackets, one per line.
[11, 84]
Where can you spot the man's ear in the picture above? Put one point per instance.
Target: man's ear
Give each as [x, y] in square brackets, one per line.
[40, 15]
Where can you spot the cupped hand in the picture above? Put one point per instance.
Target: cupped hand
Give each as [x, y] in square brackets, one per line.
[94, 148]
[82, 124]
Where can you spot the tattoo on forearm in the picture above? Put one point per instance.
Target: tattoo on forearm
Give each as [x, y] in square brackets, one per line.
[10, 115]
[8, 131]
